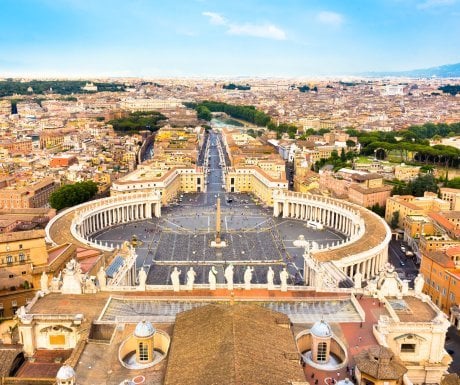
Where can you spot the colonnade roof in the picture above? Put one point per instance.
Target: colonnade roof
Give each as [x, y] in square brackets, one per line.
[374, 235]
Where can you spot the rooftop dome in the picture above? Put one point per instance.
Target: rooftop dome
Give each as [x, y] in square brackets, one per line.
[144, 329]
[321, 329]
[65, 372]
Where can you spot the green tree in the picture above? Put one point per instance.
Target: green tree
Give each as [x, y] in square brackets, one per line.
[423, 183]
[343, 156]
[203, 113]
[453, 183]
[73, 194]
[379, 210]
[350, 143]
[394, 220]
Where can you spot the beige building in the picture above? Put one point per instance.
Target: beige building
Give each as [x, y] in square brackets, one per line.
[451, 195]
[20, 252]
[362, 188]
[406, 172]
[173, 169]
[256, 181]
[255, 167]
[168, 182]
[410, 205]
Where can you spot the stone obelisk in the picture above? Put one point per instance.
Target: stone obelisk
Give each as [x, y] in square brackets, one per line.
[218, 242]
[218, 222]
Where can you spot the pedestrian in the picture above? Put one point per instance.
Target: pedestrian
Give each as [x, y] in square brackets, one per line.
[361, 324]
[313, 375]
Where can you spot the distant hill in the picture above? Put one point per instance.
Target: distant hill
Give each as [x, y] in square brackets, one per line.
[445, 71]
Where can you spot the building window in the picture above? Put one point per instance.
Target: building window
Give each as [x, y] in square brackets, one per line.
[322, 350]
[20, 246]
[22, 257]
[143, 352]
[9, 259]
[407, 348]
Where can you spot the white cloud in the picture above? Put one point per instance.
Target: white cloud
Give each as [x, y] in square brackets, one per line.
[435, 3]
[330, 18]
[267, 31]
[215, 18]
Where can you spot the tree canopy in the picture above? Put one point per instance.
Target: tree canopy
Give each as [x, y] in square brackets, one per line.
[232, 86]
[453, 183]
[63, 87]
[248, 113]
[413, 143]
[450, 89]
[416, 187]
[138, 121]
[72, 194]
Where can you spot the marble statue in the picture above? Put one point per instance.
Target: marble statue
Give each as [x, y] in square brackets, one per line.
[89, 286]
[405, 287]
[71, 278]
[56, 284]
[283, 278]
[142, 277]
[21, 312]
[248, 277]
[212, 278]
[371, 288]
[190, 278]
[358, 280]
[229, 276]
[44, 283]
[419, 282]
[175, 279]
[270, 277]
[101, 278]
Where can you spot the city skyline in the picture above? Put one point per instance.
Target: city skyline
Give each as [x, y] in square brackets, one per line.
[73, 38]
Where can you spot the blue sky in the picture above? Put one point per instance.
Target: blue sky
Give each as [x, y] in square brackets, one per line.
[284, 38]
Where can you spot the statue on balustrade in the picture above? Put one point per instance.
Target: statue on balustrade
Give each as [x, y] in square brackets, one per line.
[175, 279]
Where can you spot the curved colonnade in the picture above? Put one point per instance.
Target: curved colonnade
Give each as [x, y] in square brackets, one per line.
[93, 216]
[366, 248]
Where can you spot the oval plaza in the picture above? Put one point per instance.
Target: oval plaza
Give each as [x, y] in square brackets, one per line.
[315, 238]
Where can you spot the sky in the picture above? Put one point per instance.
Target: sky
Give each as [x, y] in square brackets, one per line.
[228, 38]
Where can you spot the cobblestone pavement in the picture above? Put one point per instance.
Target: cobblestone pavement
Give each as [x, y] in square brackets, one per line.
[182, 237]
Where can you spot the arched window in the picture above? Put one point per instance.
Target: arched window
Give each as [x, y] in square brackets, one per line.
[143, 352]
[322, 350]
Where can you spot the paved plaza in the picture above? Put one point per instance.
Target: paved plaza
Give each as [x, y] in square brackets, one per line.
[182, 236]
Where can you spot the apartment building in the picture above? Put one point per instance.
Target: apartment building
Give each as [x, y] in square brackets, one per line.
[410, 205]
[451, 195]
[27, 196]
[362, 188]
[256, 168]
[441, 270]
